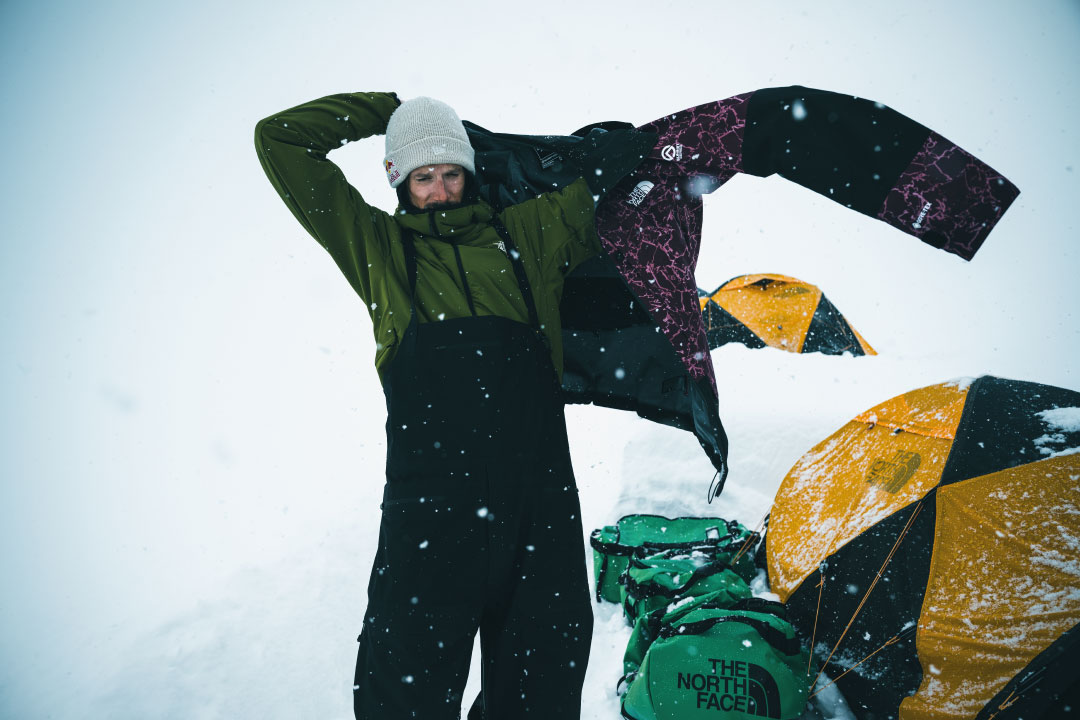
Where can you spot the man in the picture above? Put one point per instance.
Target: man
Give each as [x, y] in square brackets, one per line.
[481, 525]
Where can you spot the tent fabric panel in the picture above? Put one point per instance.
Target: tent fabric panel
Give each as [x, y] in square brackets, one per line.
[1004, 583]
[1002, 427]
[830, 333]
[778, 312]
[1049, 684]
[841, 488]
[721, 328]
[934, 411]
[892, 609]
[867, 349]
[737, 283]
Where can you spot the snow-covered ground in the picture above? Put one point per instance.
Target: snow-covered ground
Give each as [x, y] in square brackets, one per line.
[191, 430]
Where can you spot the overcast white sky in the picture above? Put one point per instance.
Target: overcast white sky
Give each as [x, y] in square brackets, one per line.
[187, 384]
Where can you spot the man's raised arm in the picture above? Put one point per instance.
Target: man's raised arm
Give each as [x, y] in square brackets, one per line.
[292, 147]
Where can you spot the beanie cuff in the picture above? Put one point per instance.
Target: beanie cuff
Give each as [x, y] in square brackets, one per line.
[434, 150]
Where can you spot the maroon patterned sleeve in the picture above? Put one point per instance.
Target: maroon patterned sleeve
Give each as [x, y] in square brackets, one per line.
[650, 224]
[948, 198]
[703, 139]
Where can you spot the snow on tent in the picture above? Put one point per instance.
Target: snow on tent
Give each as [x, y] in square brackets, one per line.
[777, 311]
[930, 552]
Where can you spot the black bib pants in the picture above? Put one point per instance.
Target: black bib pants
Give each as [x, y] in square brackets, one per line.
[481, 529]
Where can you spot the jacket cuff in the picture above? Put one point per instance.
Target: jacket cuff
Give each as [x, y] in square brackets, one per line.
[948, 198]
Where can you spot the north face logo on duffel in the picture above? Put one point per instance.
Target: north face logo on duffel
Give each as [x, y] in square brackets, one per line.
[733, 685]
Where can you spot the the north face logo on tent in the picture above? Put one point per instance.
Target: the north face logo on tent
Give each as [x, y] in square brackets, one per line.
[793, 291]
[891, 475]
[733, 685]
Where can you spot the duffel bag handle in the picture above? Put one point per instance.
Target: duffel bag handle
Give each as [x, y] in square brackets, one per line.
[777, 639]
[609, 547]
[638, 590]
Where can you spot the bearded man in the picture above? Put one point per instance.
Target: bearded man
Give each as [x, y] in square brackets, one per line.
[481, 525]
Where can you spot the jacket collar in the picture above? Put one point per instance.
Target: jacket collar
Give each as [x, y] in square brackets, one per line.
[459, 225]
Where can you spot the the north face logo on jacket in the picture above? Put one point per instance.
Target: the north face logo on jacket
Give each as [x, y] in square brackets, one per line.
[639, 192]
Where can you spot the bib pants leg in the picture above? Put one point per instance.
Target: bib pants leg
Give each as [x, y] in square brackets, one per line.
[481, 530]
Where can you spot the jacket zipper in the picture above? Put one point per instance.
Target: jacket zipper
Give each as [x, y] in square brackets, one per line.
[457, 256]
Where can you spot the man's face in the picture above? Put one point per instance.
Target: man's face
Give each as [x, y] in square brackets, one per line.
[431, 187]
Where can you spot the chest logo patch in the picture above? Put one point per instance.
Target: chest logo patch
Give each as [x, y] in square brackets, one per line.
[672, 152]
[639, 192]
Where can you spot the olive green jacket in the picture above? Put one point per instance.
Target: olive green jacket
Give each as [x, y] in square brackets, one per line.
[554, 232]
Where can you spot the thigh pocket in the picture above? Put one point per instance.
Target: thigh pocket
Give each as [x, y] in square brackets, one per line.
[433, 542]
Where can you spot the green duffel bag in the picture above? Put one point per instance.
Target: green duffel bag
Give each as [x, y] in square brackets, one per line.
[721, 665]
[655, 581]
[614, 544]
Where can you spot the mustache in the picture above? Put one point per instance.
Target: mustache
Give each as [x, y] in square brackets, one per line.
[430, 207]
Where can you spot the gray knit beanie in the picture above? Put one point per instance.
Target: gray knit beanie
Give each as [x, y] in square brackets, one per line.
[425, 131]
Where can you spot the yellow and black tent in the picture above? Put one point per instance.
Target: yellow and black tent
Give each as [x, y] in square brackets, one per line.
[777, 311]
[929, 550]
